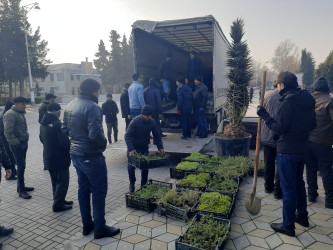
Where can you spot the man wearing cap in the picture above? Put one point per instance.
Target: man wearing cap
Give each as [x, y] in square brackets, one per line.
[49, 98]
[124, 105]
[137, 139]
[200, 96]
[110, 111]
[184, 107]
[320, 155]
[135, 95]
[164, 70]
[294, 120]
[271, 173]
[83, 124]
[56, 156]
[16, 133]
[194, 68]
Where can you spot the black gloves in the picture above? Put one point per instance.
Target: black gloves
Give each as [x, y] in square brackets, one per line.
[261, 111]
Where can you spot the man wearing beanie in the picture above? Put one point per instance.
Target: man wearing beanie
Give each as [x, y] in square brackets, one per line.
[320, 155]
[294, 120]
[184, 107]
[200, 96]
[137, 139]
[110, 111]
[56, 156]
[83, 124]
[49, 98]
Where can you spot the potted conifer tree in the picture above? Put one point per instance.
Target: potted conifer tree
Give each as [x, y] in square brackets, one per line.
[235, 140]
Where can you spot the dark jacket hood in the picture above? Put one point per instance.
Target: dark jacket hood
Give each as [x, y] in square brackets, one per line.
[301, 98]
[48, 118]
[154, 84]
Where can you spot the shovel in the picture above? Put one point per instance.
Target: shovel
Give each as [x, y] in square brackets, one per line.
[253, 203]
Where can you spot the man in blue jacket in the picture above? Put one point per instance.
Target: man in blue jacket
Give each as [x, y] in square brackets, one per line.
[137, 139]
[184, 107]
[83, 124]
[135, 94]
[200, 96]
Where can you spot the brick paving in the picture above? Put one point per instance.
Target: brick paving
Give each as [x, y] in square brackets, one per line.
[37, 227]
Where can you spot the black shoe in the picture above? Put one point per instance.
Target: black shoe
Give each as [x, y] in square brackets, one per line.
[163, 135]
[312, 198]
[278, 195]
[24, 195]
[46, 168]
[28, 189]
[115, 140]
[203, 136]
[106, 232]
[5, 231]
[68, 202]
[329, 205]
[279, 228]
[269, 191]
[132, 187]
[302, 221]
[62, 208]
[87, 230]
[183, 138]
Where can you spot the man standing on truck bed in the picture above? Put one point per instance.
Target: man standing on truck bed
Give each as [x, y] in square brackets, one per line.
[200, 96]
[135, 94]
[194, 68]
[164, 71]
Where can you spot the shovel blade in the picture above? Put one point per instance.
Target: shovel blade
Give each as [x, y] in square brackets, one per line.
[252, 204]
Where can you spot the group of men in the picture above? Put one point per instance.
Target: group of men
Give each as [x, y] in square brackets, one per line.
[297, 130]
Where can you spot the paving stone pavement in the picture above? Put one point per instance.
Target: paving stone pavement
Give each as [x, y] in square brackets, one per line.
[37, 227]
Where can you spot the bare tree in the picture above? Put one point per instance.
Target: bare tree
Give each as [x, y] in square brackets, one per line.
[286, 57]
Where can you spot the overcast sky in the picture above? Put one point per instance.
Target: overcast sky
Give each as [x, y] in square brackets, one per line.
[73, 28]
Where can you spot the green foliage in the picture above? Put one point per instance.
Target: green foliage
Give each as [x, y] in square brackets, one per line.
[325, 70]
[217, 159]
[307, 67]
[180, 199]
[234, 166]
[187, 165]
[215, 202]
[192, 180]
[206, 233]
[151, 157]
[152, 191]
[223, 185]
[208, 167]
[197, 157]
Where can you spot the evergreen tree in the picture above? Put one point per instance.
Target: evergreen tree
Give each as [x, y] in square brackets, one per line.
[127, 53]
[116, 62]
[102, 63]
[325, 70]
[307, 67]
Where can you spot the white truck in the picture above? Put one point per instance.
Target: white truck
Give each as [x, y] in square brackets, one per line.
[152, 40]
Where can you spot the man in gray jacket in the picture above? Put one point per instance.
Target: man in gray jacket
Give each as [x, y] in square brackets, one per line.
[16, 133]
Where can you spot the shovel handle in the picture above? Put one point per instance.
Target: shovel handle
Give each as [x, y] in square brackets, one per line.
[262, 95]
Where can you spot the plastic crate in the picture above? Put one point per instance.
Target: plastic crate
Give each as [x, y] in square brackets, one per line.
[183, 246]
[143, 203]
[179, 173]
[221, 215]
[202, 189]
[234, 193]
[140, 163]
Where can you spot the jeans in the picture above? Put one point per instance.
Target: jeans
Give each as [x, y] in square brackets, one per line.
[200, 119]
[92, 177]
[293, 188]
[271, 172]
[113, 125]
[320, 157]
[127, 121]
[135, 113]
[20, 153]
[144, 172]
[186, 123]
[60, 183]
[166, 90]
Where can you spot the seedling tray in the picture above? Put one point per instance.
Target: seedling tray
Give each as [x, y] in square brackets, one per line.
[143, 203]
[184, 187]
[179, 173]
[183, 246]
[141, 163]
[232, 193]
[221, 215]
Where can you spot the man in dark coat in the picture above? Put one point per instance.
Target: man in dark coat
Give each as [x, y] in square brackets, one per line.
[165, 70]
[83, 124]
[7, 155]
[184, 107]
[49, 98]
[56, 156]
[320, 155]
[295, 119]
[194, 68]
[110, 111]
[271, 104]
[124, 105]
[152, 96]
[137, 139]
[251, 93]
[200, 96]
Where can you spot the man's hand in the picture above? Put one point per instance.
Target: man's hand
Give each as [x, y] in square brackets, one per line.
[261, 112]
[162, 151]
[132, 153]
[129, 117]
[160, 116]
[178, 112]
[8, 174]
[201, 110]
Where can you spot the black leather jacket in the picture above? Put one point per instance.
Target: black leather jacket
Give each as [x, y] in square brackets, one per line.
[83, 125]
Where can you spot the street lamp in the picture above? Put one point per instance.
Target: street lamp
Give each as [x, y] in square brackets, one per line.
[27, 8]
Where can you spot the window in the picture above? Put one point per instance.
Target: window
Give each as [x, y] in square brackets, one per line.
[78, 78]
[52, 77]
[60, 76]
[73, 90]
[52, 90]
[72, 76]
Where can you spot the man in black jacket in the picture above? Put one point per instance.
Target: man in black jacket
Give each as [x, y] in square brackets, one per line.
[292, 125]
[164, 70]
[56, 156]
[124, 105]
[83, 124]
[49, 98]
[110, 111]
[200, 96]
[137, 139]
[194, 68]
